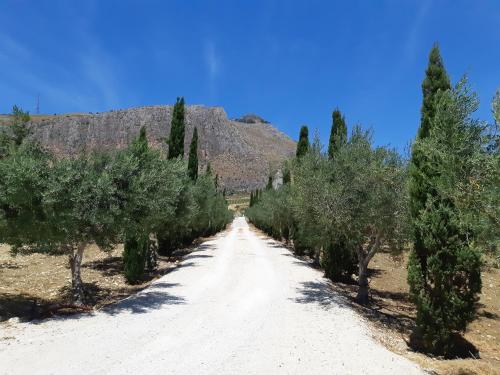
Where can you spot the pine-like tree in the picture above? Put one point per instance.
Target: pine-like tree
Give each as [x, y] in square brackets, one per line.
[269, 185]
[444, 270]
[19, 125]
[177, 129]
[287, 176]
[338, 134]
[303, 143]
[135, 252]
[135, 249]
[193, 157]
[436, 79]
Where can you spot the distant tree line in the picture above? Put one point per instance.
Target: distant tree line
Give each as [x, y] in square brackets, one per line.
[135, 196]
[342, 206]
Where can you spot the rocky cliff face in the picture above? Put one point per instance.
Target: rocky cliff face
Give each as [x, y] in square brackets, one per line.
[242, 154]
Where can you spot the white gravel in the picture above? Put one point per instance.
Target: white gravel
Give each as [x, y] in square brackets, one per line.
[241, 304]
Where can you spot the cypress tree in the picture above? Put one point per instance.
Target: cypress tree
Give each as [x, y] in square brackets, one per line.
[436, 79]
[269, 185]
[287, 177]
[177, 129]
[443, 270]
[19, 126]
[193, 157]
[338, 133]
[135, 252]
[136, 244]
[251, 199]
[303, 144]
[140, 145]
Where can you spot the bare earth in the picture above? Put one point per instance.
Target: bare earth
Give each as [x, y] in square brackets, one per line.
[241, 304]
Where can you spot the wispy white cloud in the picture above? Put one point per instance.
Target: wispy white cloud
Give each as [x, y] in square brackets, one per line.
[413, 38]
[97, 70]
[88, 84]
[9, 47]
[212, 63]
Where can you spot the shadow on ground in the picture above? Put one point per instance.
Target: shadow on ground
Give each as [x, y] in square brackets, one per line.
[109, 266]
[114, 297]
[391, 310]
[153, 298]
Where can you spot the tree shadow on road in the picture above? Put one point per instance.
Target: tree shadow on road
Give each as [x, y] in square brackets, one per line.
[152, 298]
[320, 293]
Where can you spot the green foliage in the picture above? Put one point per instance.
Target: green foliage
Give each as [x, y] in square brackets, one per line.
[210, 213]
[496, 107]
[454, 168]
[65, 204]
[13, 136]
[339, 259]
[5, 143]
[310, 184]
[338, 134]
[339, 211]
[135, 252]
[193, 156]
[269, 185]
[303, 143]
[272, 213]
[19, 126]
[24, 178]
[177, 130]
[287, 175]
[436, 79]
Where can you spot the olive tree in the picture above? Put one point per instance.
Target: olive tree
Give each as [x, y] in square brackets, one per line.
[368, 201]
[58, 204]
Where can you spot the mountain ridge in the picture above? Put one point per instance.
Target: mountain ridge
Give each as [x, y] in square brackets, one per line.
[241, 154]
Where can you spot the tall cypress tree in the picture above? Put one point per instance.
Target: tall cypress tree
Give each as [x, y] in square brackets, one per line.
[444, 268]
[193, 157]
[338, 134]
[269, 185]
[20, 125]
[177, 129]
[436, 80]
[136, 245]
[303, 144]
[339, 260]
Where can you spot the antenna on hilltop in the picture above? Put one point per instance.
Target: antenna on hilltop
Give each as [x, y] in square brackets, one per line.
[37, 109]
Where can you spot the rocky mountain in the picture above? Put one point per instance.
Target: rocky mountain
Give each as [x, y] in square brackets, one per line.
[242, 153]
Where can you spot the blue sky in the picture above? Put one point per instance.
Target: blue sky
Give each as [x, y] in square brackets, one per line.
[292, 62]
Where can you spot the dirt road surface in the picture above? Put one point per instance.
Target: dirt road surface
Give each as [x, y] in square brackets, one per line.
[240, 304]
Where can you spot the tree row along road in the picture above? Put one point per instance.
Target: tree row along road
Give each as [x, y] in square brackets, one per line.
[239, 304]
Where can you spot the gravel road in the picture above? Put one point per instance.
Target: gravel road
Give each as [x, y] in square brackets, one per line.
[240, 304]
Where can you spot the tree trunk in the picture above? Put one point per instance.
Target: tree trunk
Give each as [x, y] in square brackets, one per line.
[364, 257]
[317, 253]
[362, 297]
[75, 262]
